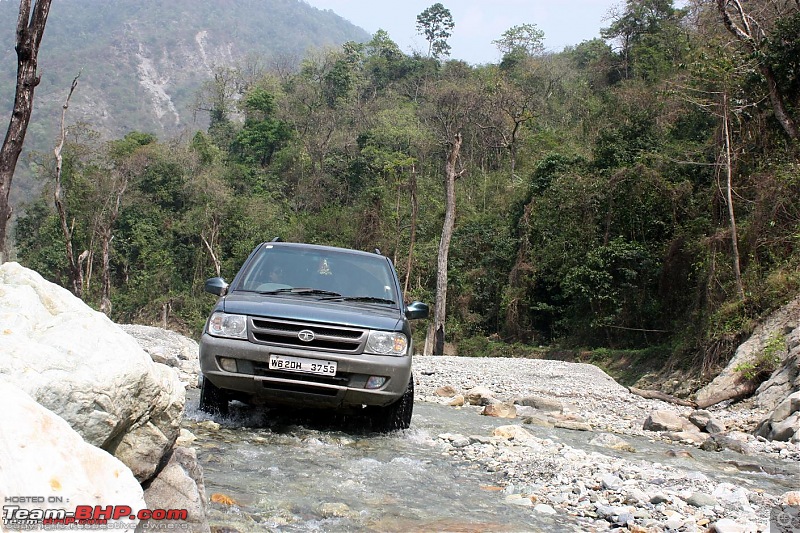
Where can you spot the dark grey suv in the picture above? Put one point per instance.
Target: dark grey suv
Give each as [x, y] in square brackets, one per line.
[311, 326]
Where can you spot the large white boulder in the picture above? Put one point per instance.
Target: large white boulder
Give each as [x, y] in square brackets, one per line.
[80, 365]
[45, 464]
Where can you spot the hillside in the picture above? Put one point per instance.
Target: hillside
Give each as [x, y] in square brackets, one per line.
[142, 61]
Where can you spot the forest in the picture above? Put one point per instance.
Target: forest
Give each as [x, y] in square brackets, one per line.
[639, 192]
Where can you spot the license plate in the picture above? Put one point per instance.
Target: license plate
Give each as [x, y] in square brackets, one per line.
[301, 364]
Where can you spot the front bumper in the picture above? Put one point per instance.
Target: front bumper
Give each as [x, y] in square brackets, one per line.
[257, 382]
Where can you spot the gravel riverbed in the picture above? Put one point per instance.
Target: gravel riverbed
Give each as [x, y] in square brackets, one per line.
[607, 489]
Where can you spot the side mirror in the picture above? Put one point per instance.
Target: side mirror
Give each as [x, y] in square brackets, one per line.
[416, 310]
[216, 286]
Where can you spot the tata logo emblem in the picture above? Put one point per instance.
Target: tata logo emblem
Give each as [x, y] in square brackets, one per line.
[306, 335]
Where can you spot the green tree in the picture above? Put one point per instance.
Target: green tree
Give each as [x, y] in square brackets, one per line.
[436, 24]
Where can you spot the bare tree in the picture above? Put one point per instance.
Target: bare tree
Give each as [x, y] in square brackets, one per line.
[30, 28]
[76, 276]
[444, 244]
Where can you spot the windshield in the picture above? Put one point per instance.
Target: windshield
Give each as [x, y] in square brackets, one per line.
[328, 273]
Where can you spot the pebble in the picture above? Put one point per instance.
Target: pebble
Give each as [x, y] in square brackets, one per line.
[591, 484]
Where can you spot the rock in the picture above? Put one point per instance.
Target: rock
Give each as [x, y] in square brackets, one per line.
[447, 391]
[480, 396]
[543, 404]
[785, 380]
[700, 418]
[699, 499]
[791, 498]
[692, 437]
[336, 510]
[457, 401]
[729, 383]
[179, 485]
[663, 420]
[83, 367]
[610, 482]
[169, 348]
[784, 422]
[608, 440]
[659, 498]
[540, 421]
[726, 525]
[41, 455]
[516, 433]
[518, 499]
[572, 424]
[460, 442]
[500, 410]
[714, 426]
[543, 508]
[185, 438]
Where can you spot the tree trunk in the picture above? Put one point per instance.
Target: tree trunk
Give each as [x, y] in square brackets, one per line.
[444, 246]
[30, 28]
[74, 264]
[737, 269]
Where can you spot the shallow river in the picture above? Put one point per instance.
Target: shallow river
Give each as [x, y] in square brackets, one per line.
[329, 475]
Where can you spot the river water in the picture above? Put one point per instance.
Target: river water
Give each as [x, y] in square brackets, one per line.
[269, 471]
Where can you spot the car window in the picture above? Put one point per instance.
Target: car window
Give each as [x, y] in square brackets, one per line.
[347, 274]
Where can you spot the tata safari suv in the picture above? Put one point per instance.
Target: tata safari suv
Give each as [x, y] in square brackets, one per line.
[311, 326]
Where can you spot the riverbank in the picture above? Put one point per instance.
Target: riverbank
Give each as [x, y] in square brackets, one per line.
[604, 489]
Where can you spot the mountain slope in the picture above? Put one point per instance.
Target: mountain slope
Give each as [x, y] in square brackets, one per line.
[141, 61]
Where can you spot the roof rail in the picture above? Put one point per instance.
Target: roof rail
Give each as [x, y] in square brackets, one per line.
[378, 251]
[277, 239]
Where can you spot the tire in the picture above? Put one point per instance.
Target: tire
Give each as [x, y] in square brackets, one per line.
[396, 415]
[213, 400]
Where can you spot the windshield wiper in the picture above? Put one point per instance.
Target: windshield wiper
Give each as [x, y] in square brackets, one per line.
[303, 290]
[370, 299]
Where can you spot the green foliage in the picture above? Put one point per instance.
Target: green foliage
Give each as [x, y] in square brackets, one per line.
[766, 361]
[436, 23]
[588, 205]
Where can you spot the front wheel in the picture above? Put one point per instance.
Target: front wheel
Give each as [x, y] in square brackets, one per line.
[213, 400]
[396, 415]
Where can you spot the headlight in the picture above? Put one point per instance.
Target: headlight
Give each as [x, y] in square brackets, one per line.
[225, 325]
[387, 343]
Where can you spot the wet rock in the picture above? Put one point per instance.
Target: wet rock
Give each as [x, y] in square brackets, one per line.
[480, 396]
[663, 420]
[608, 440]
[500, 410]
[179, 485]
[518, 499]
[680, 453]
[699, 499]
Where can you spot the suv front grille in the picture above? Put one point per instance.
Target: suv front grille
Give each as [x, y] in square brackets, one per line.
[326, 338]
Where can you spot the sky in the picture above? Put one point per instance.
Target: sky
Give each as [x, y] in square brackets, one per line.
[479, 22]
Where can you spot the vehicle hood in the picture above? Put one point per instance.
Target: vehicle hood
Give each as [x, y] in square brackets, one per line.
[310, 309]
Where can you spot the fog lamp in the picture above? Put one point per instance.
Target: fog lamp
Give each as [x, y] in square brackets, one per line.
[375, 382]
[227, 364]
